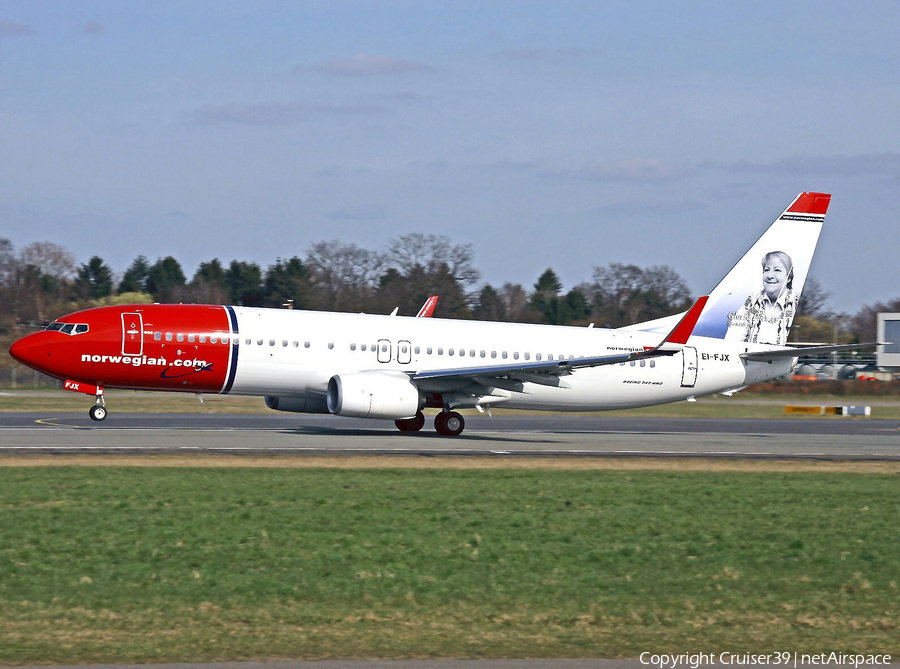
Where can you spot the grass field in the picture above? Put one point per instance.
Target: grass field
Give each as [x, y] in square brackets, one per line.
[136, 564]
[755, 405]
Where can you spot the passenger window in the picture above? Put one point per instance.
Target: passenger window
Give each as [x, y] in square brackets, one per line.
[504, 355]
[450, 351]
[462, 352]
[493, 354]
[528, 356]
[643, 363]
[537, 356]
[191, 338]
[352, 347]
[226, 339]
[202, 339]
[653, 363]
[179, 337]
[417, 350]
[213, 339]
[428, 350]
[632, 363]
[157, 336]
[248, 341]
[284, 342]
[306, 344]
[330, 345]
[440, 351]
[362, 347]
[549, 357]
[296, 344]
[271, 342]
[482, 353]
[472, 352]
[168, 336]
[259, 342]
[516, 355]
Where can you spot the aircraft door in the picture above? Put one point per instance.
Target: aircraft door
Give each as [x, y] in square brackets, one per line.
[384, 350]
[132, 334]
[404, 352]
[689, 373]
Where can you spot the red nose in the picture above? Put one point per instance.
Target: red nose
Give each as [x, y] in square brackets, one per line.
[31, 351]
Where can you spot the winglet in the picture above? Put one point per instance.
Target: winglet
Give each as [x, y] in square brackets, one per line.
[428, 308]
[682, 331]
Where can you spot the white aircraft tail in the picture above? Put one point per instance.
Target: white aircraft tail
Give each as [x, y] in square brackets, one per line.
[757, 300]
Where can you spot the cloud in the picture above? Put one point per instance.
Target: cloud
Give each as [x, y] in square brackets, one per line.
[10, 29]
[360, 212]
[538, 54]
[651, 207]
[864, 164]
[365, 65]
[275, 113]
[636, 169]
[93, 28]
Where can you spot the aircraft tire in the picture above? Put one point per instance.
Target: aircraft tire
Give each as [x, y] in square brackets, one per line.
[413, 424]
[449, 423]
[97, 412]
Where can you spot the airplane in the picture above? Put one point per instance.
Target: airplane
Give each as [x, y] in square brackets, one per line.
[393, 367]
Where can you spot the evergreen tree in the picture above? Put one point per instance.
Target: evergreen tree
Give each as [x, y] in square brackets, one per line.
[94, 280]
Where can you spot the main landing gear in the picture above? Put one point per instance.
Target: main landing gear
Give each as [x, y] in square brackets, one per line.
[413, 424]
[449, 423]
[446, 423]
[98, 411]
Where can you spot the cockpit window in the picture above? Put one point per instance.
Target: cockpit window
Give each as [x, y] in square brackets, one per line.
[68, 328]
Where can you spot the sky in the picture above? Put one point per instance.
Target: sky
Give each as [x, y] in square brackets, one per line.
[546, 134]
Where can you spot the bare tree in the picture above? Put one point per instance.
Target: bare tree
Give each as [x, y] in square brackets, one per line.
[52, 259]
[344, 274]
[814, 300]
[430, 252]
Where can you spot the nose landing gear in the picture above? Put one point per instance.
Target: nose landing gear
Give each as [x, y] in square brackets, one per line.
[98, 411]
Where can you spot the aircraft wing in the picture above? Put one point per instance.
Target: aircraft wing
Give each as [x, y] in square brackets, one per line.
[547, 372]
[796, 352]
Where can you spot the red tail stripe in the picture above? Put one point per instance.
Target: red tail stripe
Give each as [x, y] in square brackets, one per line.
[811, 203]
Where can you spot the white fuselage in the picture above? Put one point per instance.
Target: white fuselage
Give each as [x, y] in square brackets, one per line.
[293, 353]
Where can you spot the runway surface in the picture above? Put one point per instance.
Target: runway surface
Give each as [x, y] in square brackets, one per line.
[525, 436]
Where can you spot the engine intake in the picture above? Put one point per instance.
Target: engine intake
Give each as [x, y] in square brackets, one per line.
[373, 395]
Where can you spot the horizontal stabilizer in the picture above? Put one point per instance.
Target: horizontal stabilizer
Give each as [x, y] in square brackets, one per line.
[781, 353]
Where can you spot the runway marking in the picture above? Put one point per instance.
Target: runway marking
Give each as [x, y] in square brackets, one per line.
[46, 421]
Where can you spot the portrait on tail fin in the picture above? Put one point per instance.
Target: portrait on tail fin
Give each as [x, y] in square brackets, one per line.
[766, 317]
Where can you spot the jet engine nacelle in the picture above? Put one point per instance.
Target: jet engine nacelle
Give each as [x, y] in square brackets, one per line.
[373, 395]
[302, 404]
